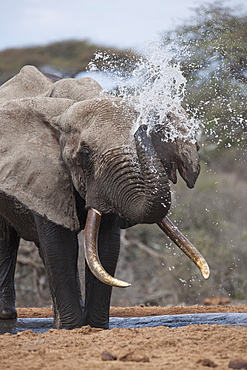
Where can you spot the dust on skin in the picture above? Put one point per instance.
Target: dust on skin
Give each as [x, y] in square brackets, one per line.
[191, 347]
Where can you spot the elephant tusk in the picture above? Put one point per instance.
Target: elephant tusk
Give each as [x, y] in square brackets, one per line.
[91, 253]
[185, 245]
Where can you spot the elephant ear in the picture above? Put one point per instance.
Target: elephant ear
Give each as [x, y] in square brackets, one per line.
[31, 169]
[176, 155]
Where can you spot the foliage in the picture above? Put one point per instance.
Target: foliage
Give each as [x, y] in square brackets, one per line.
[213, 50]
[65, 58]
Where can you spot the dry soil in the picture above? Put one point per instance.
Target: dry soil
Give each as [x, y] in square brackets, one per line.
[191, 347]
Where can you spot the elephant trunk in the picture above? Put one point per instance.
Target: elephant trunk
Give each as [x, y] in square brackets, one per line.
[132, 183]
[156, 199]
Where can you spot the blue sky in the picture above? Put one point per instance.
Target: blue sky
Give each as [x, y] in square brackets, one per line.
[120, 23]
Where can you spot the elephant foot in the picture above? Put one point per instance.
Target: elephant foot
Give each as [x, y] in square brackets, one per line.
[101, 324]
[69, 326]
[68, 323]
[8, 313]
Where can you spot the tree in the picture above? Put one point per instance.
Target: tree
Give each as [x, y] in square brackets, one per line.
[214, 61]
[65, 58]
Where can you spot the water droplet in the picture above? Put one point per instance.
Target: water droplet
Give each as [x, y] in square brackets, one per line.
[156, 87]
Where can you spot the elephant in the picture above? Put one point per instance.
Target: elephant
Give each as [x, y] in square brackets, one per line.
[70, 161]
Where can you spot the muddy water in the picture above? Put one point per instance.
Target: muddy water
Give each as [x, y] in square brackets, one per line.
[41, 325]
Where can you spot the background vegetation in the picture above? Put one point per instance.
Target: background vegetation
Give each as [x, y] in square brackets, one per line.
[213, 56]
[64, 58]
[212, 47]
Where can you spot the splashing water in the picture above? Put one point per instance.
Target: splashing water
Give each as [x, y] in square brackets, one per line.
[156, 87]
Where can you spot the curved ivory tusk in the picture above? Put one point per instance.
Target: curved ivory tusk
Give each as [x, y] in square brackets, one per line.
[185, 245]
[91, 253]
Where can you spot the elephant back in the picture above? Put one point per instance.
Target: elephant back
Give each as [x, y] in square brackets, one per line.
[29, 82]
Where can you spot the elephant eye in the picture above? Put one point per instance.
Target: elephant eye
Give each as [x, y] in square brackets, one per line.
[83, 158]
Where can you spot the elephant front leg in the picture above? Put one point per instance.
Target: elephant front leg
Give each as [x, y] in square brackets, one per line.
[59, 252]
[9, 243]
[98, 294]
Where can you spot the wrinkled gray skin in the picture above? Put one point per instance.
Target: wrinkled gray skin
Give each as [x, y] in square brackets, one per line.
[122, 175]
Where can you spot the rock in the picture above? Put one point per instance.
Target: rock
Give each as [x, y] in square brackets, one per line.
[107, 356]
[237, 364]
[134, 357]
[206, 362]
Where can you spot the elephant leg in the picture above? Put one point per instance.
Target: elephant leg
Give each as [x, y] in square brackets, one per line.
[59, 252]
[98, 294]
[9, 243]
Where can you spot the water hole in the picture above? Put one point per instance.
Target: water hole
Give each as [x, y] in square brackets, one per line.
[41, 325]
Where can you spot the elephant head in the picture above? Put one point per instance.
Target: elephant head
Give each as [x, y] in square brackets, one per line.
[69, 140]
[114, 171]
[117, 172]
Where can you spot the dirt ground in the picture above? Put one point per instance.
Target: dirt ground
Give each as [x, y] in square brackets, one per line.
[191, 347]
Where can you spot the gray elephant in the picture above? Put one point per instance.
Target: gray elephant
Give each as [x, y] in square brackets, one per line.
[69, 161]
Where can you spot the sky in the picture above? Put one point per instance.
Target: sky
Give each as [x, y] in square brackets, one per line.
[118, 23]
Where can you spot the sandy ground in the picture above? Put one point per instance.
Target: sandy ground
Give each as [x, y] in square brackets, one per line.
[191, 347]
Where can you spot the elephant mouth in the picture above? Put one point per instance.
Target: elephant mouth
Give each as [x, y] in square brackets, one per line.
[92, 257]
